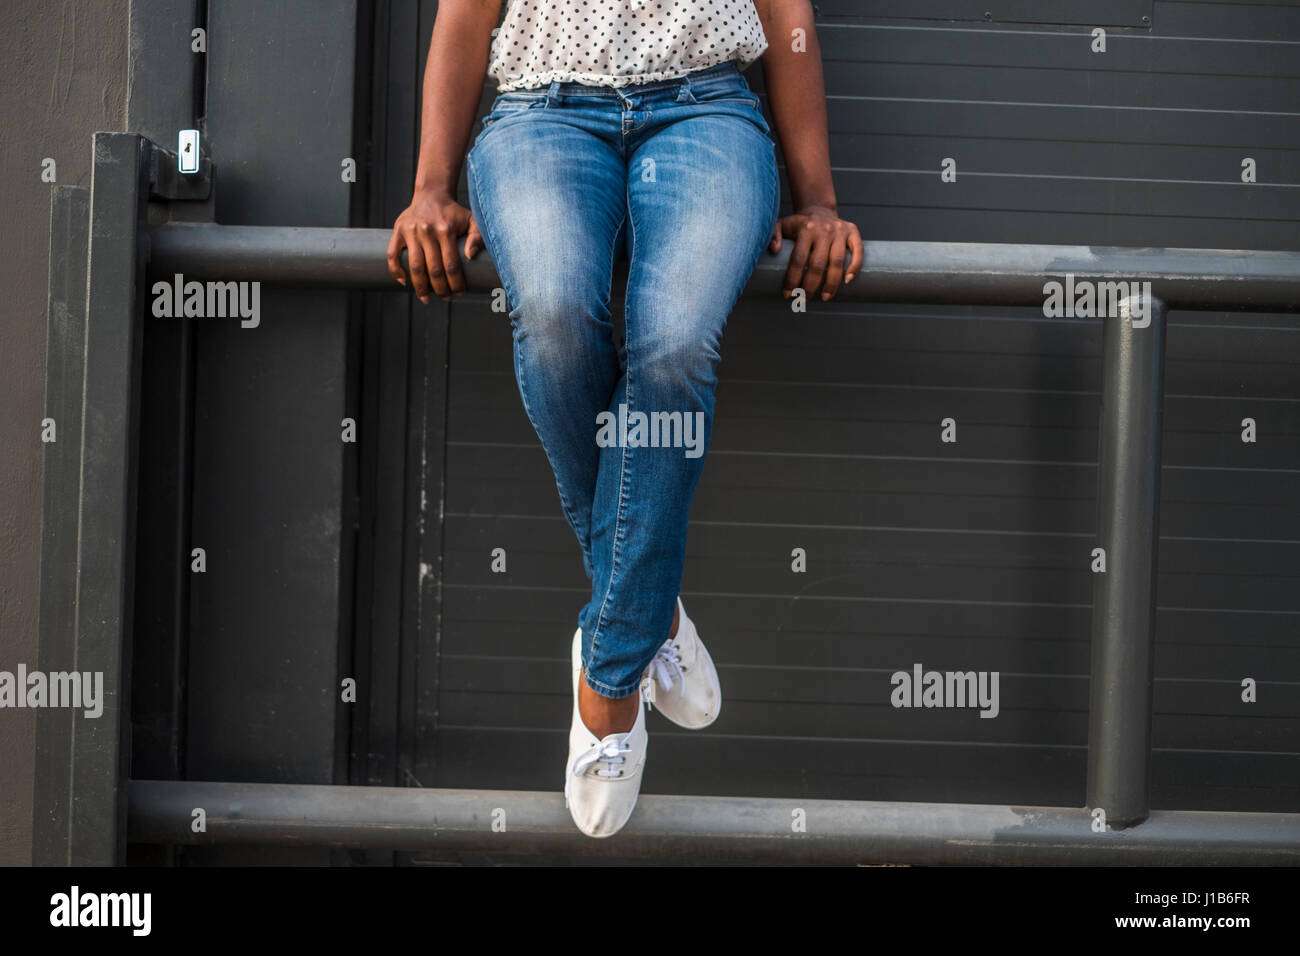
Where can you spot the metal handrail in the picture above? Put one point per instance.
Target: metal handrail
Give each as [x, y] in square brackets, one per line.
[730, 829]
[965, 273]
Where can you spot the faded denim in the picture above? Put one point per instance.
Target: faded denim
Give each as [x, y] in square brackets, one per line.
[678, 176]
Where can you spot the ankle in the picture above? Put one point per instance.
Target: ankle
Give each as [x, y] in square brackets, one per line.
[606, 715]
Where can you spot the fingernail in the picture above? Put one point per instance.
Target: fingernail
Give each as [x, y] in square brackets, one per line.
[851, 278]
[425, 299]
[825, 296]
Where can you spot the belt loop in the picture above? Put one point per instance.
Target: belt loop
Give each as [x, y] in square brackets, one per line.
[552, 93]
[684, 91]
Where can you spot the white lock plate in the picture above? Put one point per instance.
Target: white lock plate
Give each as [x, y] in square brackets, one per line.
[187, 151]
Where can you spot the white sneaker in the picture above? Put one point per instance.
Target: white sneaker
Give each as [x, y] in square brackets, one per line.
[688, 692]
[603, 777]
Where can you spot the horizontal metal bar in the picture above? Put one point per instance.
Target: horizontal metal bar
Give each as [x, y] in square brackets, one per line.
[736, 829]
[932, 272]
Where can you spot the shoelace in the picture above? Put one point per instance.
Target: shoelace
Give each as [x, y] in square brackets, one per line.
[665, 667]
[610, 752]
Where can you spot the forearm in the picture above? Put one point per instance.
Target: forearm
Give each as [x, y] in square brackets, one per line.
[797, 97]
[453, 83]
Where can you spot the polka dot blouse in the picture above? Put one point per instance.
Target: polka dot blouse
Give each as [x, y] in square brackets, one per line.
[619, 42]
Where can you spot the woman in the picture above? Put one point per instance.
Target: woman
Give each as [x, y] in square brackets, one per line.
[624, 128]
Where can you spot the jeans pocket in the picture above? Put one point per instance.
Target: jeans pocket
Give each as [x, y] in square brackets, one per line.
[727, 93]
[516, 101]
[735, 98]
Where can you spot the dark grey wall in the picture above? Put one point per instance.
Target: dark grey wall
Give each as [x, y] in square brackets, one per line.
[965, 556]
[64, 70]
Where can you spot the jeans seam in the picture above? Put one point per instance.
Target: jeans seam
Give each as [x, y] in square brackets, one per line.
[775, 204]
[487, 230]
[609, 298]
[619, 525]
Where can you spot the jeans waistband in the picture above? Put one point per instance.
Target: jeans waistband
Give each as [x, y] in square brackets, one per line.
[720, 71]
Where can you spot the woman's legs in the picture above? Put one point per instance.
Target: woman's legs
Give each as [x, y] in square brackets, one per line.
[553, 184]
[702, 195]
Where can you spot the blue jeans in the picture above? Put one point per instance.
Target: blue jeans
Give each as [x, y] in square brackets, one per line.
[680, 176]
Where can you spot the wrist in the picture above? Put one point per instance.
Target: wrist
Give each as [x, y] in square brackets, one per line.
[822, 203]
[436, 191]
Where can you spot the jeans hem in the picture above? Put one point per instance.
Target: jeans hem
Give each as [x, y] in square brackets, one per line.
[604, 690]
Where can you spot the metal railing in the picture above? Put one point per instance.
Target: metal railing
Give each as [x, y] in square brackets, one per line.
[956, 273]
[83, 767]
[730, 829]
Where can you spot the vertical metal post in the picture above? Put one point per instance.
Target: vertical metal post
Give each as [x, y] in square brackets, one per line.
[64, 376]
[1124, 595]
[99, 764]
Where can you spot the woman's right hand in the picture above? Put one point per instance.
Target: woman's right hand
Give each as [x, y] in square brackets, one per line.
[428, 230]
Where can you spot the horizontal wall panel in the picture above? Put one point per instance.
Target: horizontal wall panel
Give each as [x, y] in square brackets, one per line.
[540, 622]
[1081, 87]
[1133, 13]
[1018, 775]
[1052, 226]
[874, 112]
[1238, 19]
[1070, 55]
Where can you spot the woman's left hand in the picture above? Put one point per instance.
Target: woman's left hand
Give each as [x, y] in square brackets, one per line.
[827, 251]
